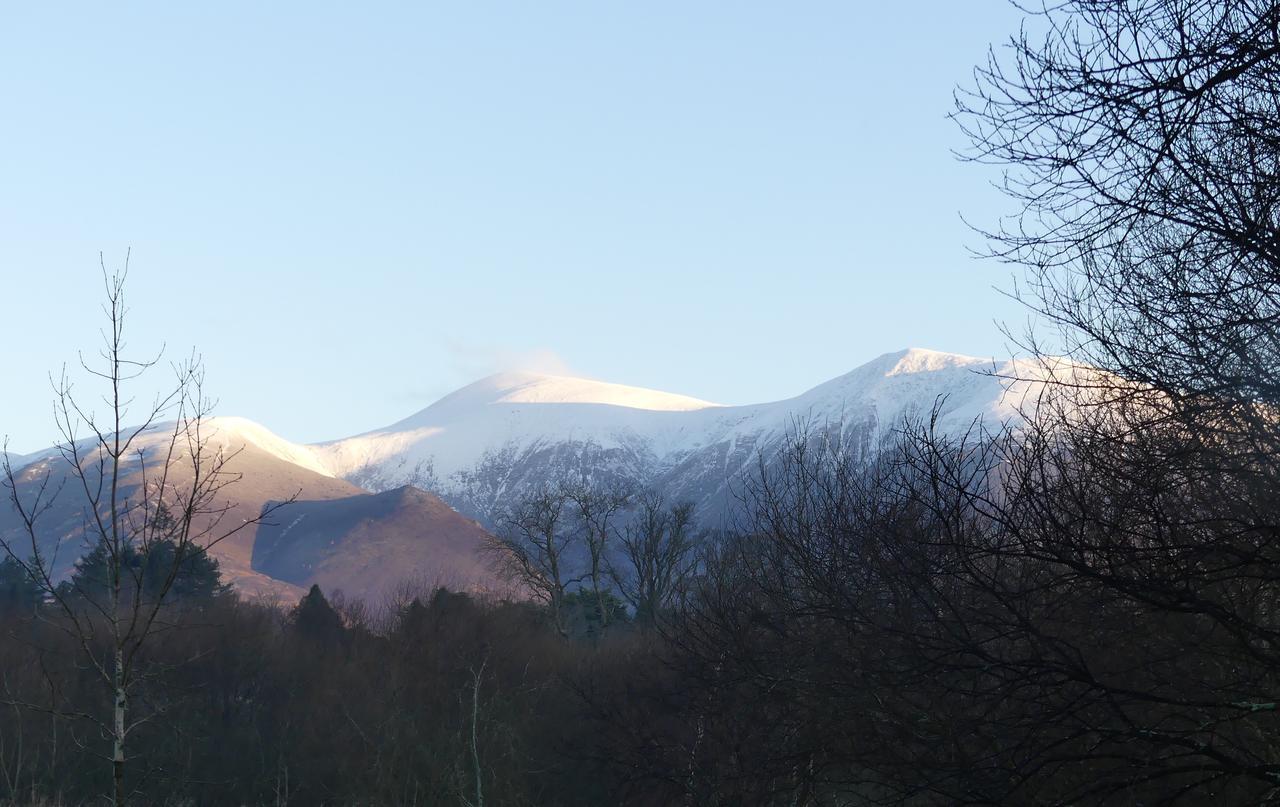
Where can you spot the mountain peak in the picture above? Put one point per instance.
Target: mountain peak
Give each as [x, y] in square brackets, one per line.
[532, 388]
[234, 433]
[923, 360]
[505, 389]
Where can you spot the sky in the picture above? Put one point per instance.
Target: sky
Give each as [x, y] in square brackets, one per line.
[350, 210]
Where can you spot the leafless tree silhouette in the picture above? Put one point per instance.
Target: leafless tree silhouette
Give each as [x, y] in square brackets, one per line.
[151, 487]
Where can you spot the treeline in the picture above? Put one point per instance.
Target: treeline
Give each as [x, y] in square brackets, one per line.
[444, 699]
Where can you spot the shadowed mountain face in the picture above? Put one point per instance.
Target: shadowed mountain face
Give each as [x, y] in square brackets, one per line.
[397, 531]
[367, 545]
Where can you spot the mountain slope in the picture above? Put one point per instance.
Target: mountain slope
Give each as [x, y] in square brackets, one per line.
[269, 469]
[366, 545]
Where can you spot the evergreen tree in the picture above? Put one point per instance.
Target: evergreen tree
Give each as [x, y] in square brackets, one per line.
[411, 622]
[315, 619]
[18, 592]
[197, 581]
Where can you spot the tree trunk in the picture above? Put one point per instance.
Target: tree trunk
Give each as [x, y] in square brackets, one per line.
[595, 581]
[117, 748]
[475, 743]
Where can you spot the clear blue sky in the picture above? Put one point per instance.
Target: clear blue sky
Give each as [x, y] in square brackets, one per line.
[351, 209]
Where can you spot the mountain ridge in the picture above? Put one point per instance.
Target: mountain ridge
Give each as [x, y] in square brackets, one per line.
[527, 388]
[486, 445]
[512, 432]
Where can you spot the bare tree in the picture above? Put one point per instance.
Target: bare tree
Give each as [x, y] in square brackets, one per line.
[531, 550]
[1097, 588]
[477, 676]
[657, 546]
[1138, 140]
[150, 490]
[595, 509]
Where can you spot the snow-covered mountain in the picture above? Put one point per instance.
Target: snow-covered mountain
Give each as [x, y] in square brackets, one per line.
[489, 442]
[224, 434]
[486, 445]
